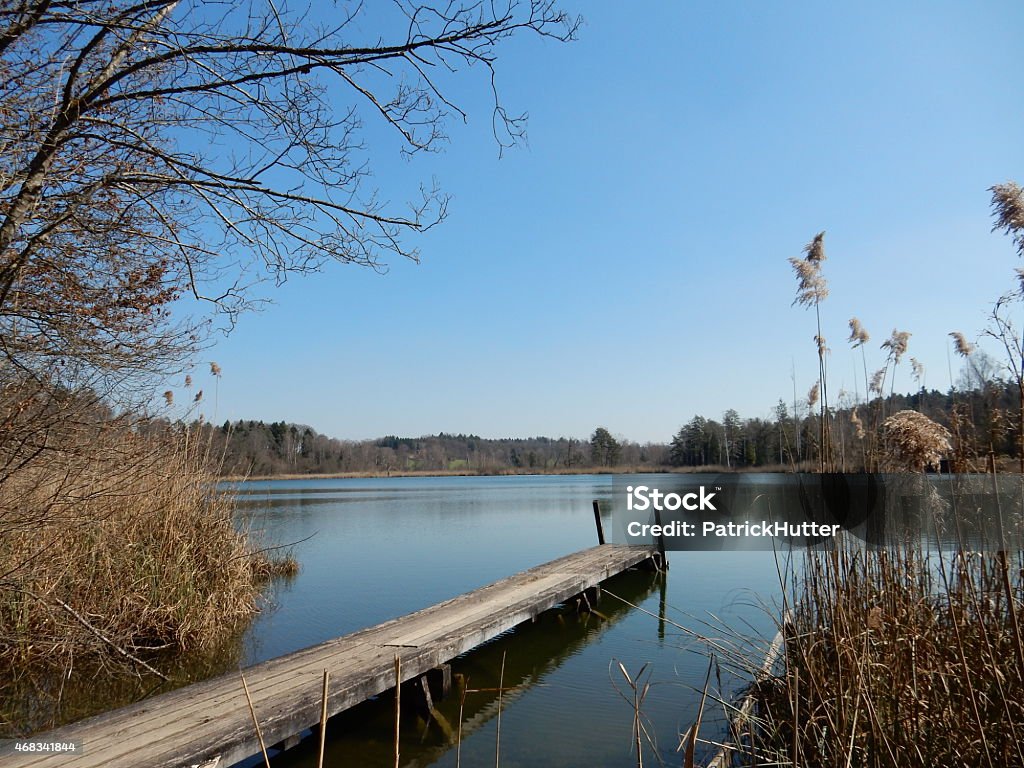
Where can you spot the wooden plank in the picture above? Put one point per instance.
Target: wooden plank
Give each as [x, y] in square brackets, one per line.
[205, 720]
[737, 721]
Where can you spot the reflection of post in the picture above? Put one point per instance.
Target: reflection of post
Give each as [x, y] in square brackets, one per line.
[662, 590]
[597, 519]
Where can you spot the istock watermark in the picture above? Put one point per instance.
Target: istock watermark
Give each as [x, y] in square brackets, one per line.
[773, 511]
[641, 498]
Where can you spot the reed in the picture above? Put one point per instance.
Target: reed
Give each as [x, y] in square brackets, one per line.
[907, 655]
[898, 658]
[812, 289]
[114, 544]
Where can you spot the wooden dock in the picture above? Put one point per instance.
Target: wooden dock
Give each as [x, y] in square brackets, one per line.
[210, 722]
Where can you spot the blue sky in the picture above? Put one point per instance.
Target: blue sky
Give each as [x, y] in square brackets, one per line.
[629, 268]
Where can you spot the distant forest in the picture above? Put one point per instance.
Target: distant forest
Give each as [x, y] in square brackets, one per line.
[981, 420]
[257, 448]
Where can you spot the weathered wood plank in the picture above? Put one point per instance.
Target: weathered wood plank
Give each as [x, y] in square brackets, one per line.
[209, 719]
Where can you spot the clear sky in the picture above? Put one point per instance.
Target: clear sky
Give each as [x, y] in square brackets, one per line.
[628, 269]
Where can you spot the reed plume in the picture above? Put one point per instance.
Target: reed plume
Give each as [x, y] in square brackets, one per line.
[858, 335]
[897, 345]
[811, 284]
[913, 441]
[877, 381]
[963, 347]
[858, 425]
[1020, 281]
[823, 349]
[815, 249]
[1008, 209]
[917, 370]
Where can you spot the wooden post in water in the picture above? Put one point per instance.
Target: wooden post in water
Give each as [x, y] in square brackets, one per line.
[661, 537]
[597, 519]
[440, 680]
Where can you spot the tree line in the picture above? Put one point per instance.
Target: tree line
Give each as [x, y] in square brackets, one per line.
[982, 421]
[980, 413]
[249, 447]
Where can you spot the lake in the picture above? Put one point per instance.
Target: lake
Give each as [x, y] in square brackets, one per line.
[373, 549]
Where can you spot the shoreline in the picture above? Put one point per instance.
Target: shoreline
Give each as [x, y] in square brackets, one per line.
[507, 472]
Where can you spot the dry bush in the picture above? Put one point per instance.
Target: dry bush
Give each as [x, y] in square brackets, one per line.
[112, 534]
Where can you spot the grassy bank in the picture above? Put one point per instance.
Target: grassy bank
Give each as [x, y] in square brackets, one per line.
[113, 546]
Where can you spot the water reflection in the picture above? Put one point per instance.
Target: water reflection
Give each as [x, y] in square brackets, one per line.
[530, 653]
[39, 700]
[374, 549]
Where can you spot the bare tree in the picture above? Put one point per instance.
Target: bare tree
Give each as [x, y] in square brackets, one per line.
[154, 149]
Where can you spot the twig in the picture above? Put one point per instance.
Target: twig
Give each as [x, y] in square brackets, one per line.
[264, 550]
[255, 722]
[398, 704]
[103, 637]
[323, 721]
[497, 735]
[691, 736]
[462, 705]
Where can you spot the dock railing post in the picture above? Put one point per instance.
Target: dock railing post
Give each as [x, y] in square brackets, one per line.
[661, 537]
[597, 519]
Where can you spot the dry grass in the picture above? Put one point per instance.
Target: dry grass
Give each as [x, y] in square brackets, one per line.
[904, 656]
[114, 537]
[898, 658]
[912, 441]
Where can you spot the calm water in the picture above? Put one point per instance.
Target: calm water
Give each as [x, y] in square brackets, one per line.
[378, 548]
[374, 549]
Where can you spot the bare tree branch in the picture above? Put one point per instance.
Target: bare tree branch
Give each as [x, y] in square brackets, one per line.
[157, 148]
